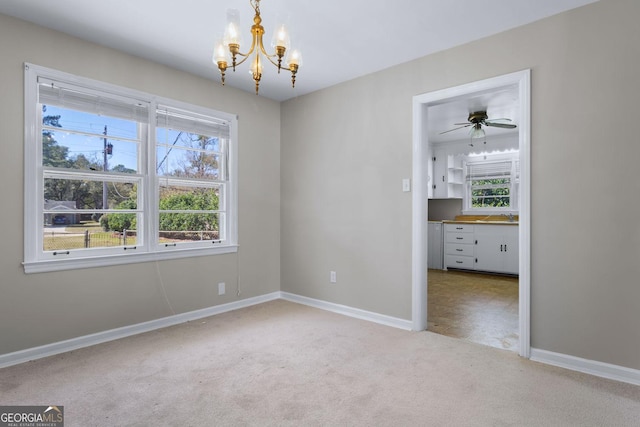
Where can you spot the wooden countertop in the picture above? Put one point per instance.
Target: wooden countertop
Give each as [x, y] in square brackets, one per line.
[484, 219]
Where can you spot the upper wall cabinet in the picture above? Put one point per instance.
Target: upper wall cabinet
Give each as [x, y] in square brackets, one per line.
[447, 175]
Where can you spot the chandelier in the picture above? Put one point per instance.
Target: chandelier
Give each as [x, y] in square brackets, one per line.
[229, 46]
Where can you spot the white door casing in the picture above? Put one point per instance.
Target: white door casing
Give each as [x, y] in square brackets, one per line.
[420, 150]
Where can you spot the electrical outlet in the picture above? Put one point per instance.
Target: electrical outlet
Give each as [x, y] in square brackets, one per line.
[221, 288]
[332, 277]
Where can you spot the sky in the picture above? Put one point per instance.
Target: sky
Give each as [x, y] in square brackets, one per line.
[91, 141]
[84, 134]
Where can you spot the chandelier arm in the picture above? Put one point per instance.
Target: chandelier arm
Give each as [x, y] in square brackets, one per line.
[269, 57]
[244, 55]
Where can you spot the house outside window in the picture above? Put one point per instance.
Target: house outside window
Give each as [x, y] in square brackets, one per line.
[118, 176]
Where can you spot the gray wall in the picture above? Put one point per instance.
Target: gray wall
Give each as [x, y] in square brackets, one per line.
[346, 149]
[331, 173]
[37, 309]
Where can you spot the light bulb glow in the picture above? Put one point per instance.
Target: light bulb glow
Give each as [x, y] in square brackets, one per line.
[220, 52]
[295, 58]
[256, 66]
[232, 32]
[477, 132]
[281, 37]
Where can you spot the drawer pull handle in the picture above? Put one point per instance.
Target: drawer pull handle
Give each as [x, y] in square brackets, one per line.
[458, 262]
[459, 238]
[459, 228]
[459, 250]
[505, 248]
[500, 248]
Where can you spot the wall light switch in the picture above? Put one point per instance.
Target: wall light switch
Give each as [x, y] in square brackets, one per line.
[332, 277]
[221, 288]
[406, 185]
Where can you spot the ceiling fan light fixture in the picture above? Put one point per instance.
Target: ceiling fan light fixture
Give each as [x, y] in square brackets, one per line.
[477, 132]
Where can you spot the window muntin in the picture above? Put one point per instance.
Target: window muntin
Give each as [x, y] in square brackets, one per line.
[94, 165]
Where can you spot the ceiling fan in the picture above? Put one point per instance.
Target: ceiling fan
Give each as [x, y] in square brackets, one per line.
[477, 119]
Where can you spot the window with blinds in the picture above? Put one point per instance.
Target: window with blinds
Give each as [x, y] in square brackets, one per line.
[114, 175]
[492, 184]
[192, 169]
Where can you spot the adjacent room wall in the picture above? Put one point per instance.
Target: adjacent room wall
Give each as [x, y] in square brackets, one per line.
[38, 309]
[346, 149]
[441, 209]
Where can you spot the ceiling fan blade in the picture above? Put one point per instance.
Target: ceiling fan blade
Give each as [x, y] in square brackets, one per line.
[500, 125]
[451, 130]
[495, 120]
[460, 124]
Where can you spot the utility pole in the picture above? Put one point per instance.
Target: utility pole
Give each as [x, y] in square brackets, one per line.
[105, 167]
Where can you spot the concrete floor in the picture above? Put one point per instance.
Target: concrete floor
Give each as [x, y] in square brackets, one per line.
[481, 308]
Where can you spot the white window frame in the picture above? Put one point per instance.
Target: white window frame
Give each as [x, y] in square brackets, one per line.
[37, 260]
[513, 208]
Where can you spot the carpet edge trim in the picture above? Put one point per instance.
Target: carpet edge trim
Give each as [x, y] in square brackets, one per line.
[591, 367]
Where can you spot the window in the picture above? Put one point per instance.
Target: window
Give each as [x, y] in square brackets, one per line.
[492, 184]
[117, 176]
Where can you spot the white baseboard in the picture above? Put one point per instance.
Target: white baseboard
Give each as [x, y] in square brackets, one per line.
[600, 369]
[349, 311]
[592, 367]
[126, 331]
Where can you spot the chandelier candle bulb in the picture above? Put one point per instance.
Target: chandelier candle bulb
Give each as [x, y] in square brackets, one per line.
[220, 58]
[295, 58]
[232, 34]
[281, 38]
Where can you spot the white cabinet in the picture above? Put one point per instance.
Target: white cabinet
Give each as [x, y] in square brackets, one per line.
[459, 246]
[497, 248]
[438, 179]
[482, 247]
[447, 175]
[455, 176]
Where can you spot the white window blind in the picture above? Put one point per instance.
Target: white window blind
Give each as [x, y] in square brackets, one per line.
[188, 121]
[90, 101]
[489, 170]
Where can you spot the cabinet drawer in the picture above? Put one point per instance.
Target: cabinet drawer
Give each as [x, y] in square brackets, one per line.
[464, 238]
[458, 249]
[455, 261]
[459, 228]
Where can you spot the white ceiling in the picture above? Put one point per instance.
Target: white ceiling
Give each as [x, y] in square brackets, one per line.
[339, 39]
[499, 103]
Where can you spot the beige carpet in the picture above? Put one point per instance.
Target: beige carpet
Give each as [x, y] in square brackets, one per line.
[281, 363]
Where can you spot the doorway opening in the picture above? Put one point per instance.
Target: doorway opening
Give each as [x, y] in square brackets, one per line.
[428, 106]
[477, 307]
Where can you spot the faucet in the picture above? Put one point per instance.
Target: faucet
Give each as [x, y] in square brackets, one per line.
[509, 216]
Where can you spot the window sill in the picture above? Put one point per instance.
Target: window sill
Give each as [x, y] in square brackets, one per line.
[104, 261]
